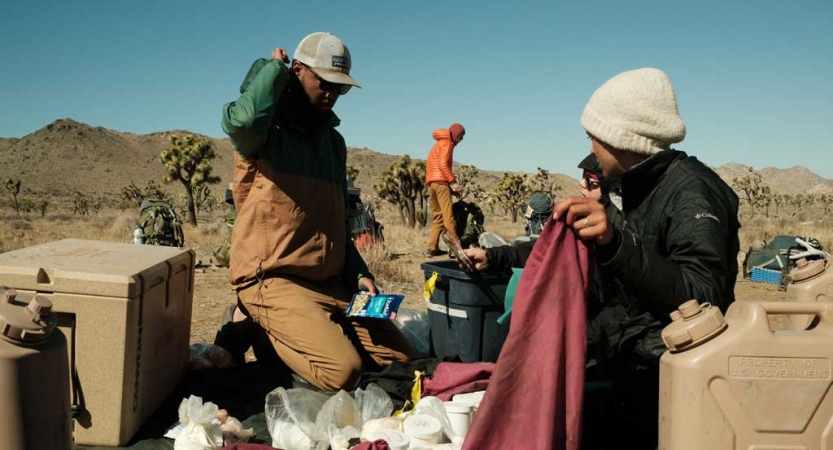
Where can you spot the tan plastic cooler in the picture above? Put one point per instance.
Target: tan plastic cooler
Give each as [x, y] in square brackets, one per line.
[126, 312]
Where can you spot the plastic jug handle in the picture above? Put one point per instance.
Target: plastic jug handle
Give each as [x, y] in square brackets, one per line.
[822, 310]
[818, 309]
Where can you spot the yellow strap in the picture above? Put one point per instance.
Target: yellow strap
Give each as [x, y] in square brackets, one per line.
[416, 394]
[428, 290]
[416, 391]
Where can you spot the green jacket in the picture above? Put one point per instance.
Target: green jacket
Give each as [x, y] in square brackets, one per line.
[291, 181]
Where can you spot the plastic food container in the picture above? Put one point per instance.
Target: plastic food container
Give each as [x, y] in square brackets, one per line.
[395, 439]
[423, 430]
[459, 414]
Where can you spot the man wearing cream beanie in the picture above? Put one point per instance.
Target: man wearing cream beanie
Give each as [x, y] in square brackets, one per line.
[678, 241]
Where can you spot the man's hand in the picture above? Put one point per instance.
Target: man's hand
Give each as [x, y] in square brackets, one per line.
[456, 187]
[586, 216]
[280, 53]
[478, 258]
[367, 284]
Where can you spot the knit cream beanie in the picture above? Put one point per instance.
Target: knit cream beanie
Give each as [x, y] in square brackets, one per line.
[635, 111]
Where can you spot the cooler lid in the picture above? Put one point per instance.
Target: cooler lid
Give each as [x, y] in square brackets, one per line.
[85, 267]
[25, 324]
[693, 324]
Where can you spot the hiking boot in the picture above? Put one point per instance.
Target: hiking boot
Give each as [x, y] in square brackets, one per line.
[236, 337]
[433, 253]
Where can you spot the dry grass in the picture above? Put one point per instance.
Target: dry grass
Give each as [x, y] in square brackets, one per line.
[760, 230]
[19, 231]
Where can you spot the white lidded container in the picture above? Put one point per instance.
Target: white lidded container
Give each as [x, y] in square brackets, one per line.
[396, 439]
[459, 414]
[423, 430]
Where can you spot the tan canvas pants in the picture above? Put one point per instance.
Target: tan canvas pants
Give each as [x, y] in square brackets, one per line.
[439, 195]
[313, 336]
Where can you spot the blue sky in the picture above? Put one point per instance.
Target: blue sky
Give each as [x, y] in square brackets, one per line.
[752, 77]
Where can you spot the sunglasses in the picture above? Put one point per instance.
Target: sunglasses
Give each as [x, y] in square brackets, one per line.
[325, 85]
[591, 181]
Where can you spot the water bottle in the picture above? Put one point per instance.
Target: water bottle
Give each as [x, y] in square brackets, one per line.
[138, 235]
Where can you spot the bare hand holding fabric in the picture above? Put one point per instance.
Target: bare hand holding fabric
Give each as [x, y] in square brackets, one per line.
[587, 217]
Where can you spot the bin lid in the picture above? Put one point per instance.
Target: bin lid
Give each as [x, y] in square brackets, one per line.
[693, 324]
[25, 324]
[86, 267]
[449, 268]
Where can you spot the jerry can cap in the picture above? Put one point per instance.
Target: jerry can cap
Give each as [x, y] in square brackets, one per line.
[804, 270]
[693, 324]
[30, 323]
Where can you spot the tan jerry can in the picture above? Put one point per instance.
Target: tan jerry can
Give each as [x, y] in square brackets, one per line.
[737, 384]
[810, 281]
[34, 376]
[126, 312]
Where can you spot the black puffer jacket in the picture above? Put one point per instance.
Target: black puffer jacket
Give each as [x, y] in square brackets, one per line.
[678, 241]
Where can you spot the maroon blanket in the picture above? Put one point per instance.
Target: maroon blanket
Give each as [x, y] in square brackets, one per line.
[451, 379]
[535, 394]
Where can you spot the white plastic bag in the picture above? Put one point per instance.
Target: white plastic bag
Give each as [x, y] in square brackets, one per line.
[488, 239]
[432, 406]
[201, 431]
[374, 403]
[290, 417]
[300, 419]
[233, 431]
[416, 328]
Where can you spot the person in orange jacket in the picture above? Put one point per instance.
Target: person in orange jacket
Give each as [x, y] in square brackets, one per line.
[440, 182]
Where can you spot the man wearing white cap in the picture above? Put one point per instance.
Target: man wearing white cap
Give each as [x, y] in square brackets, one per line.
[293, 263]
[678, 240]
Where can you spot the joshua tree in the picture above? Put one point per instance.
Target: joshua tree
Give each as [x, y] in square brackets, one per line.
[13, 186]
[544, 182]
[826, 200]
[511, 193]
[467, 176]
[132, 196]
[403, 184]
[188, 161]
[352, 172]
[754, 192]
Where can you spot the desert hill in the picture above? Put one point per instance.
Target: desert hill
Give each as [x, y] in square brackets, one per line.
[67, 156]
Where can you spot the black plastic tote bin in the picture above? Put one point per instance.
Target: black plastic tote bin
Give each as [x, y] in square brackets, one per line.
[463, 313]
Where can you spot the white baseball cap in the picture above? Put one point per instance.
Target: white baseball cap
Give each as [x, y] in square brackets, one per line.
[327, 55]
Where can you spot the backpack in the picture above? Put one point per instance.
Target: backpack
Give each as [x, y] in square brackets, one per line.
[160, 224]
[469, 219]
[536, 213]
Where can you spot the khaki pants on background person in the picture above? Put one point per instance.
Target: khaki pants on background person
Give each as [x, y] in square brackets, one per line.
[311, 333]
[439, 196]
